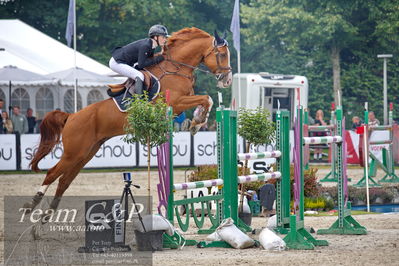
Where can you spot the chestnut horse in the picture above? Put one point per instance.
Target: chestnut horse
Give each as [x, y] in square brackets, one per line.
[85, 131]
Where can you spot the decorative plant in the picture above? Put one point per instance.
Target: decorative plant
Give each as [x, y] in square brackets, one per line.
[257, 128]
[149, 124]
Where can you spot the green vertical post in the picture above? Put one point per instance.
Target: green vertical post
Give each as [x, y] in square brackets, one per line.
[219, 143]
[283, 187]
[338, 169]
[345, 224]
[298, 237]
[228, 119]
[229, 171]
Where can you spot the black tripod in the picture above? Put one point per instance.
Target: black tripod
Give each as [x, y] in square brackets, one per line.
[125, 196]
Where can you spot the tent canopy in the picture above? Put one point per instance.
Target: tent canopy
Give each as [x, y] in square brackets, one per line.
[30, 49]
[85, 78]
[23, 77]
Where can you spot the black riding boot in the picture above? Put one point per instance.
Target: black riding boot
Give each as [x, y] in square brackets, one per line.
[138, 86]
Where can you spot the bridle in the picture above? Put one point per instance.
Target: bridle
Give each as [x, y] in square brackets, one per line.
[220, 72]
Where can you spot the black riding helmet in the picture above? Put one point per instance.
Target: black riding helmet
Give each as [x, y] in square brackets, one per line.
[157, 30]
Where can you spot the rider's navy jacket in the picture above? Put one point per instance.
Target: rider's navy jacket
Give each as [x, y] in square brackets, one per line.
[140, 52]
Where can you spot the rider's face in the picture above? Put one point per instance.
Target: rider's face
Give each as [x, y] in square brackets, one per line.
[162, 40]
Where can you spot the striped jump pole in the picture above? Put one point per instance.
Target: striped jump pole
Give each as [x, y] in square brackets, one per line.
[322, 140]
[258, 155]
[258, 177]
[198, 184]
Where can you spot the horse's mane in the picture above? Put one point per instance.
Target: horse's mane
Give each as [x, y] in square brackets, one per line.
[187, 34]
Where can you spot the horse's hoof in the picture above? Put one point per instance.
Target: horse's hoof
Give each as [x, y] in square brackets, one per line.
[35, 232]
[45, 217]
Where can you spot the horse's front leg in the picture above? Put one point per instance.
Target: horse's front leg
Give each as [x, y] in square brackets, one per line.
[204, 105]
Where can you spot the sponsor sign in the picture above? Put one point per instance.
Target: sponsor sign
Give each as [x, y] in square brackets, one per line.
[113, 153]
[181, 151]
[377, 149]
[8, 152]
[205, 148]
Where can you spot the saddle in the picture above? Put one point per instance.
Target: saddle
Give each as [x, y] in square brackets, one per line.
[117, 89]
[120, 93]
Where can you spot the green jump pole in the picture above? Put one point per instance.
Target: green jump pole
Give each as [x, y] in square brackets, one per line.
[345, 224]
[283, 187]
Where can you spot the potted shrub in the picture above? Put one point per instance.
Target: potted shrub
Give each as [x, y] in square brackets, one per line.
[148, 123]
[257, 128]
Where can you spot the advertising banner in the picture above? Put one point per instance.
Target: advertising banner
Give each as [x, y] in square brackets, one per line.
[181, 151]
[8, 152]
[113, 153]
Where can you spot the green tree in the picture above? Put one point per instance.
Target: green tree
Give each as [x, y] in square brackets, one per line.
[328, 41]
[149, 124]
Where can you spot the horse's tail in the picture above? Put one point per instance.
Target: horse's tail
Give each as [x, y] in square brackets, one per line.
[50, 131]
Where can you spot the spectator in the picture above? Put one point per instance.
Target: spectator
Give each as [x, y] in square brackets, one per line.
[204, 127]
[356, 122]
[185, 126]
[319, 121]
[372, 120]
[19, 121]
[178, 121]
[6, 124]
[213, 126]
[2, 108]
[310, 119]
[267, 196]
[31, 121]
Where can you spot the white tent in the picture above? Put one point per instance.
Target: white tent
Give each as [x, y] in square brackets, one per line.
[30, 49]
[85, 78]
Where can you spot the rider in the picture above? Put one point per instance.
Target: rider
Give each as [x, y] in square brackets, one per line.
[141, 52]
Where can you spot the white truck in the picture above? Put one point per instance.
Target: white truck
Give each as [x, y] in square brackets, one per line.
[252, 90]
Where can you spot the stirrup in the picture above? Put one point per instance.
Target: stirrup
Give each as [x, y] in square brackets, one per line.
[138, 86]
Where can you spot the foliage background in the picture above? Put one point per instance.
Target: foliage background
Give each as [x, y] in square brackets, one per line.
[278, 36]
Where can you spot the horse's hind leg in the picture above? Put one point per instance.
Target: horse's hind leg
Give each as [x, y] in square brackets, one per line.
[70, 175]
[60, 168]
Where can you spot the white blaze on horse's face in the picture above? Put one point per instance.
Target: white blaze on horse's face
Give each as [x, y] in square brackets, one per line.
[218, 61]
[227, 78]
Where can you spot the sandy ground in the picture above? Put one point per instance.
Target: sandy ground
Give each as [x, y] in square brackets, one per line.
[379, 247]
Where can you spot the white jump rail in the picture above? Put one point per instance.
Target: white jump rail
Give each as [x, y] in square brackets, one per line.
[322, 140]
[258, 155]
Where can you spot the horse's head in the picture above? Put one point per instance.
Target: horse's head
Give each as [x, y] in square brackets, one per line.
[189, 47]
[217, 59]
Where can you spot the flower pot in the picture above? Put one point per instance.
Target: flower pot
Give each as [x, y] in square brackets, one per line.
[149, 241]
[245, 217]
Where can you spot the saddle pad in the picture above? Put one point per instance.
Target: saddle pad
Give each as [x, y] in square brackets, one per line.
[122, 99]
